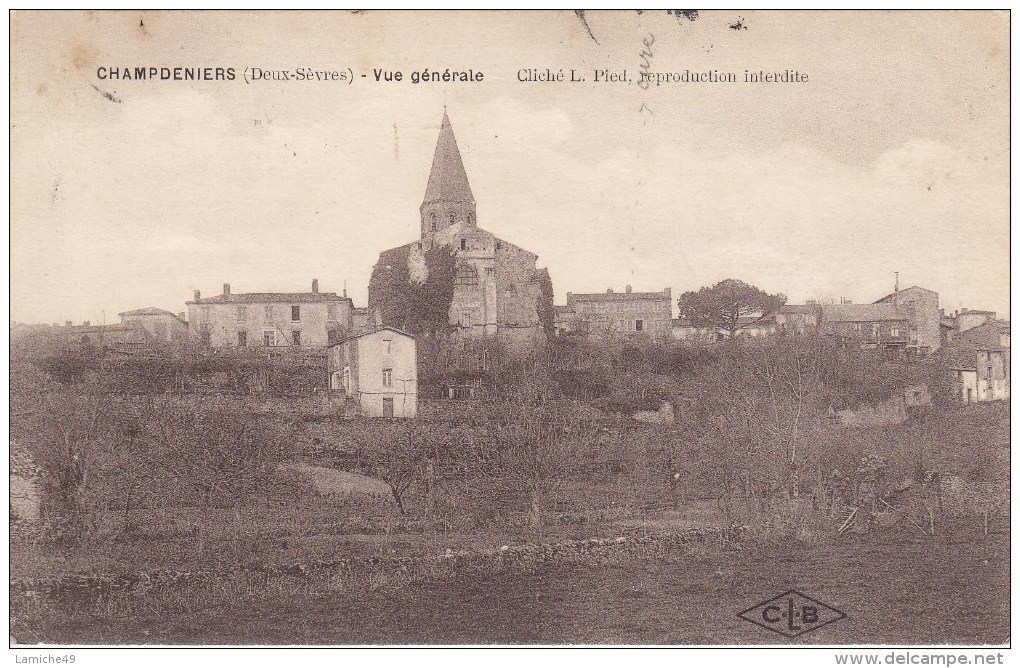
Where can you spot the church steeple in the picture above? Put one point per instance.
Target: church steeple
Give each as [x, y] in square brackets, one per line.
[448, 198]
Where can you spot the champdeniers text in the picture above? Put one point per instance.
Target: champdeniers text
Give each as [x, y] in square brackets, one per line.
[166, 73]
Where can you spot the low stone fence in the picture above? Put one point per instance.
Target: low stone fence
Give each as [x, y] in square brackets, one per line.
[93, 589]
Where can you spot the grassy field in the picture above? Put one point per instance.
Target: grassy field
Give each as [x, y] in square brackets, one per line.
[896, 587]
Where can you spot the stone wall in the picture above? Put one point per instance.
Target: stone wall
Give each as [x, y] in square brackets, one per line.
[105, 588]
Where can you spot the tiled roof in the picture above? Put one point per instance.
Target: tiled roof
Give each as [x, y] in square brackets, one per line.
[272, 298]
[615, 296]
[150, 310]
[892, 295]
[373, 331]
[800, 308]
[985, 337]
[742, 322]
[863, 312]
[86, 329]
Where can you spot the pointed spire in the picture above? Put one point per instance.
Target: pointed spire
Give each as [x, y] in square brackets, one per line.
[448, 181]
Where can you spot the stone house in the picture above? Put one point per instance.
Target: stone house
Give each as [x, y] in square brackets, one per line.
[268, 319]
[924, 335]
[750, 327]
[967, 319]
[378, 370]
[798, 318]
[497, 286]
[980, 359]
[882, 326]
[609, 313]
[104, 338]
[982, 375]
[160, 325]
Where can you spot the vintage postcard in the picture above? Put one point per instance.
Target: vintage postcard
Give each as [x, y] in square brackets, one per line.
[520, 328]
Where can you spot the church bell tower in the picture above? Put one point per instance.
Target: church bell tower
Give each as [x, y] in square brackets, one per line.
[448, 200]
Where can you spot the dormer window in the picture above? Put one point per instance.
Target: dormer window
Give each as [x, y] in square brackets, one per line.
[453, 217]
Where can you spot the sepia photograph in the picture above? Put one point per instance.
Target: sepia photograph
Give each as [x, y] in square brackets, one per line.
[603, 328]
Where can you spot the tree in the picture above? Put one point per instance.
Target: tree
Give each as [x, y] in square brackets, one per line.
[731, 305]
[536, 445]
[546, 311]
[418, 307]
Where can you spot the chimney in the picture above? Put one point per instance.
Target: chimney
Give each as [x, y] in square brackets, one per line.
[628, 289]
[198, 296]
[315, 286]
[226, 289]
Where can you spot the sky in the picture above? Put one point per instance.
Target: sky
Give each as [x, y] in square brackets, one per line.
[892, 157]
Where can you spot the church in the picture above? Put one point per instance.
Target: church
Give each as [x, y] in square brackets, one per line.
[497, 288]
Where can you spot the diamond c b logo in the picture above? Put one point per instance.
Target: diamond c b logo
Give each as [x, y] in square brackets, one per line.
[791, 614]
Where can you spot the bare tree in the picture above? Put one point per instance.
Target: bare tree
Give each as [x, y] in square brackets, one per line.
[537, 443]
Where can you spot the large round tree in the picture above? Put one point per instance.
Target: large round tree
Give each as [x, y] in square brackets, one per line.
[730, 305]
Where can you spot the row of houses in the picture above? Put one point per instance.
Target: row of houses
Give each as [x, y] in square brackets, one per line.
[498, 289]
[903, 324]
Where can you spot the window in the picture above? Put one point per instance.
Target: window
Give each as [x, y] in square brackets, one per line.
[296, 337]
[347, 379]
[466, 275]
[204, 313]
[387, 377]
[268, 312]
[453, 217]
[463, 244]
[465, 319]
[388, 346]
[242, 339]
[269, 338]
[295, 313]
[433, 218]
[242, 312]
[331, 312]
[490, 272]
[639, 325]
[471, 219]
